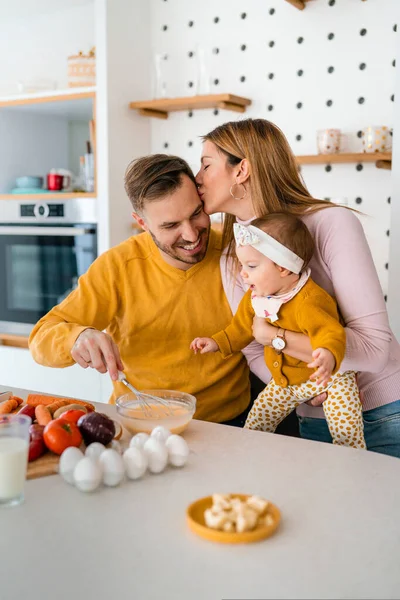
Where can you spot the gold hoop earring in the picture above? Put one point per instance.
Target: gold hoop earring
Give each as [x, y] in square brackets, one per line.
[232, 193]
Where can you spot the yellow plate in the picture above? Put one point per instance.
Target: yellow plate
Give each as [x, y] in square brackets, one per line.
[195, 519]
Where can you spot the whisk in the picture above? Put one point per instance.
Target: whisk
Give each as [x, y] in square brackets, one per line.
[146, 401]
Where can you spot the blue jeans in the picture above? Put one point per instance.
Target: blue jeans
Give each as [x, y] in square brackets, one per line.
[381, 429]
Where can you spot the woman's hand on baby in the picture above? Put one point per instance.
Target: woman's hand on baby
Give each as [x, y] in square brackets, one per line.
[324, 363]
[263, 332]
[203, 344]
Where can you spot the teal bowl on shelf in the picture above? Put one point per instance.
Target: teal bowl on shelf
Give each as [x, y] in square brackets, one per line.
[29, 181]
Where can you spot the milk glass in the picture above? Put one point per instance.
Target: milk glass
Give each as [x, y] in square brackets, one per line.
[14, 444]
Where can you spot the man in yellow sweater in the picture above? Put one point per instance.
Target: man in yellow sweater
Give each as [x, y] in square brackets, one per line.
[152, 294]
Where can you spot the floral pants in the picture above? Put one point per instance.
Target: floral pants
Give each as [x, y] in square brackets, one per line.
[342, 408]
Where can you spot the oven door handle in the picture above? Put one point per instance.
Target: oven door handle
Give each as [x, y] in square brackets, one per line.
[46, 231]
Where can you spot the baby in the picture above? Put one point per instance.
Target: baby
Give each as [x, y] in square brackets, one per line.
[274, 253]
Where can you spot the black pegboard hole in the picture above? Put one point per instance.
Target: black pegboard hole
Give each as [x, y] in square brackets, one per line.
[299, 105]
[164, 27]
[271, 75]
[300, 40]
[216, 19]
[216, 81]
[243, 47]
[298, 137]
[243, 15]
[359, 134]
[190, 113]
[190, 54]
[190, 84]
[331, 36]
[270, 107]
[166, 144]
[362, 66]
[363, 32]
[388, 232]
[358, 200]
[331, 69]
[328, 168]
[216, 51]
[300, 73]
[191, 23]
[389, 200]
[216, 111]
[361, 100]
[386, 266]
[271, 44]
[329, 102]
[190, 144]
[331, 2]
[271, 11]
[359, 167]
[242, 78]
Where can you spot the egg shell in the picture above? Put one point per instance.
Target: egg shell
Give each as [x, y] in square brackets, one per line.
[112, 466]
[95, 450]
[160, 433]
[115, 445]
[135, 461]
[157, 455]
[178, 450]
[87, 475]
[139, 440]
[68, 461]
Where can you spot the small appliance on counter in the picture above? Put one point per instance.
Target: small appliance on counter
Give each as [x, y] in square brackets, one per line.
[45, 247]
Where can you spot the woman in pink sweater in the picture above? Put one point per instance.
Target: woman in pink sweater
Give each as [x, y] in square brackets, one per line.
[247, 171]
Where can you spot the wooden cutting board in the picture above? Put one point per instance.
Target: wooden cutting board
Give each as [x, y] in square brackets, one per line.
[43, 466]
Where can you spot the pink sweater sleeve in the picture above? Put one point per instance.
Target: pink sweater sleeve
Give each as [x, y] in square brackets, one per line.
[347, 260]
[234, 290]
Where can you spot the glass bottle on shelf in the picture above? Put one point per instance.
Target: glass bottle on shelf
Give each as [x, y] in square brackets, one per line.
[159, 83]
[203, 75]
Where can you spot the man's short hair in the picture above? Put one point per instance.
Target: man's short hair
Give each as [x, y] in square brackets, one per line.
[152, 177]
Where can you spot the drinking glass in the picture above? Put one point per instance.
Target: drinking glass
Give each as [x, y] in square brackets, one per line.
[14, 444]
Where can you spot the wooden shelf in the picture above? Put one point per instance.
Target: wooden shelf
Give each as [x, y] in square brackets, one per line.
[49, 196]
[161, 107]
[382, 160]
[17, 341]
[73, 103]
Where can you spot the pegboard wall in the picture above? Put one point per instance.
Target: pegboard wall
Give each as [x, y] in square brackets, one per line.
[329, 66]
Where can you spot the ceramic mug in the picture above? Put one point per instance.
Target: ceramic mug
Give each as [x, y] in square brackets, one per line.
[376, 139]
[55, 182]
[328, 141]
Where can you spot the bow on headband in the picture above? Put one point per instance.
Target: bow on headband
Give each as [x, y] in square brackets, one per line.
[269, 246]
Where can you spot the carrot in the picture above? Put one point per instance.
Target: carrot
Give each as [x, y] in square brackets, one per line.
[18, 399]
[56, 405]
[36, 399]
[8, 406]
[42, 414]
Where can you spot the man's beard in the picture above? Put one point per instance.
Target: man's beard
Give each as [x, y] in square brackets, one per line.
[189, 260]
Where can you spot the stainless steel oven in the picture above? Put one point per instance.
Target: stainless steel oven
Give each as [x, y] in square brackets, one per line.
[44, 248]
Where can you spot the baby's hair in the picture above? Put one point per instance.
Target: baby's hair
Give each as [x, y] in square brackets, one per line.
[290, 231]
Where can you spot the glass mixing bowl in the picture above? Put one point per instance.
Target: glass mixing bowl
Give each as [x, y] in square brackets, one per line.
[136, 418]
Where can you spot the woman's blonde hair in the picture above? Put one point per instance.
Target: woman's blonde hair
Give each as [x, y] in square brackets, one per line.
[275, 182]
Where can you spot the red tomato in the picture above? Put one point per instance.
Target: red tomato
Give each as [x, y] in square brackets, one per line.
[59, 435]
[72, 416]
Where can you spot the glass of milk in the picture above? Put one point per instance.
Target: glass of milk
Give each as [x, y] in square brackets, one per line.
[14, 444]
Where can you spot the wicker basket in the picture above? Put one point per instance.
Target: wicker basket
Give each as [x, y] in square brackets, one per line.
[82, 69]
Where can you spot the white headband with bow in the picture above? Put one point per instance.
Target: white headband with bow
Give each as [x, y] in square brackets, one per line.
[267, 245]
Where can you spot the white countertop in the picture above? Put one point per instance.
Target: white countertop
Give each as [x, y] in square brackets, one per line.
[339, 536]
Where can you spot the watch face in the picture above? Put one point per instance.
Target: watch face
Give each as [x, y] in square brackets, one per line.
[278, 343]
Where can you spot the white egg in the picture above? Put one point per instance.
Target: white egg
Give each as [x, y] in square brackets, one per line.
[139, 440]
[87, 475]
[113, 467]
[95, 450]
[135, 461]
[178, 450]
[157, 455]
[68, 461]
[160, 433]
[115, 445]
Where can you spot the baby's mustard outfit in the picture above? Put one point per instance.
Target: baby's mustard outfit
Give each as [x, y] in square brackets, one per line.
[311, 311]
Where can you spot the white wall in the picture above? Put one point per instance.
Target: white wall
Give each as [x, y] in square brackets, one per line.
[35, 45]
[345, 52]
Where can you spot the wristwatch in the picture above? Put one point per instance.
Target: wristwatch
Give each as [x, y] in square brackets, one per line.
[279, 342]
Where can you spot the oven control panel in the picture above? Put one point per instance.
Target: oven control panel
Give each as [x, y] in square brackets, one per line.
[42, 210]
